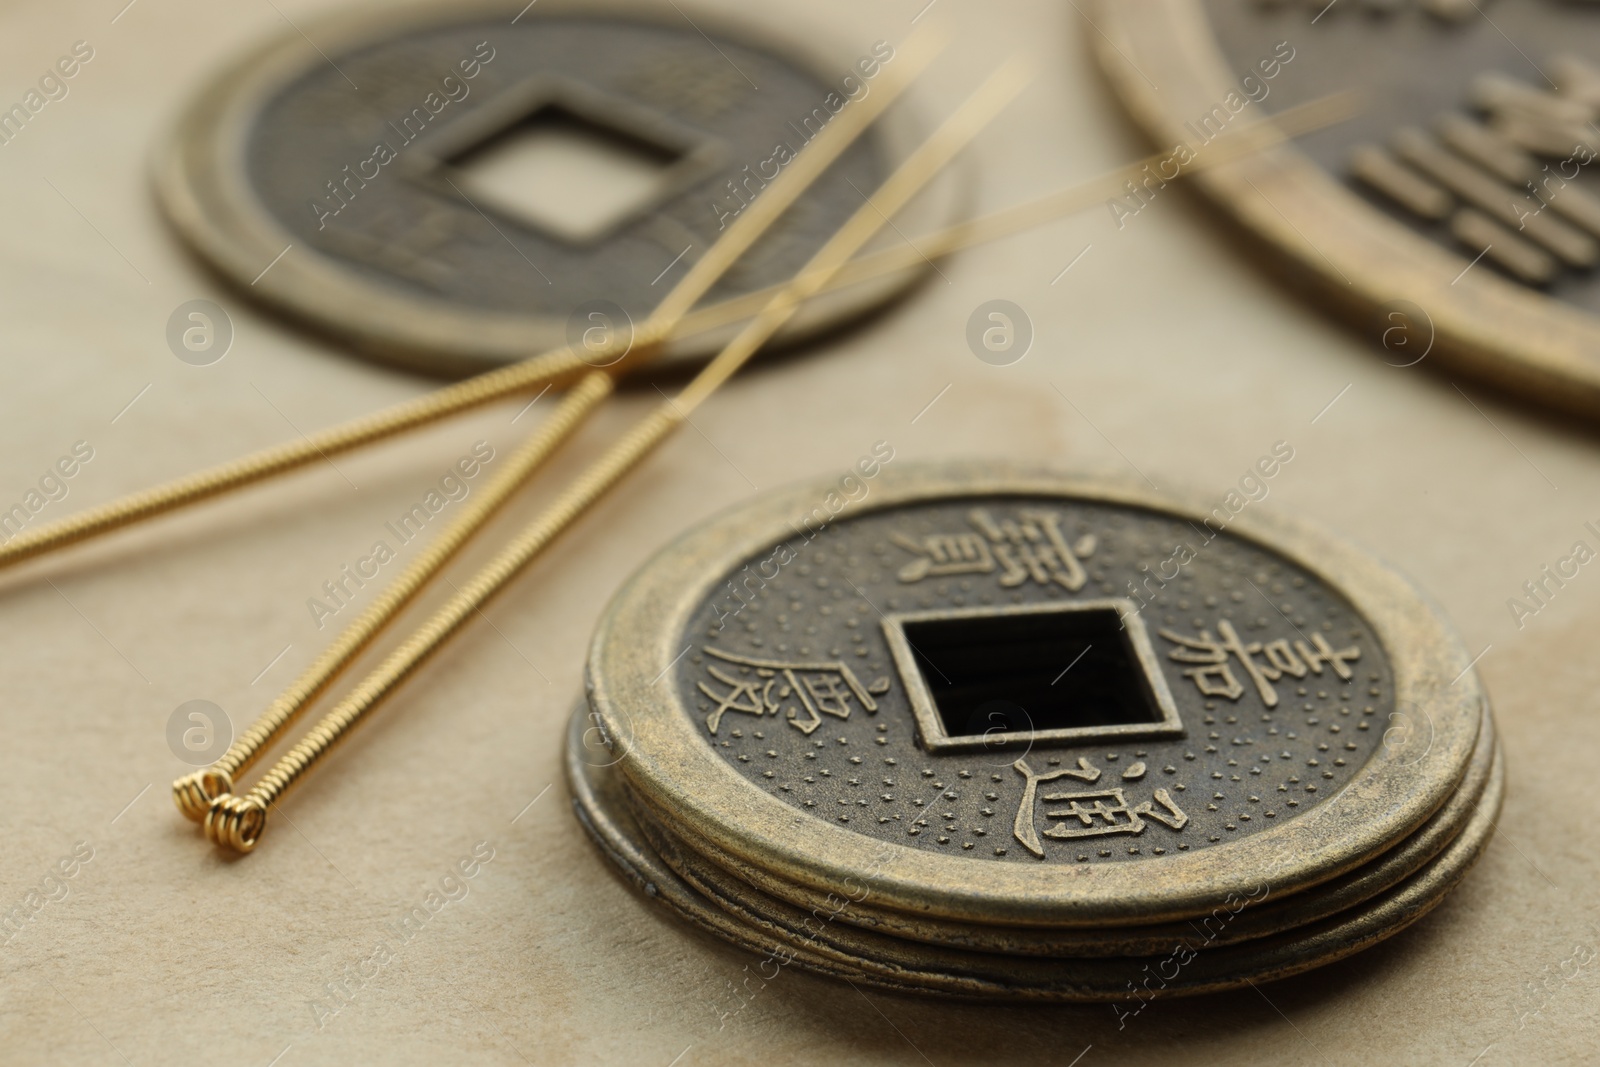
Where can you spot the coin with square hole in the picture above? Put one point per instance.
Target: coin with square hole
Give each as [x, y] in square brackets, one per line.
[989, 665]
[449, 181]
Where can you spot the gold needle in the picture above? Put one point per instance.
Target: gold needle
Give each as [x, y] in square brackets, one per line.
[562, 365]
[559, 365]
[1232, 145]
[194, 792]
[237, 822]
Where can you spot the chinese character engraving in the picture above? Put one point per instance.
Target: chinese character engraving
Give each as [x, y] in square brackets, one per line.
[750, 697]
[1030, 546]
[801, 692]
[1102, 811]
[1091, 813]
[1213, 671]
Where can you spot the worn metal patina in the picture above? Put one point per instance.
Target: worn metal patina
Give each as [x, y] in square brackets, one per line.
[1013, 732]
[353, 210]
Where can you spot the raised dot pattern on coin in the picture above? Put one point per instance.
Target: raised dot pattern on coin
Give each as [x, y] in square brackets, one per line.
[1281, 690]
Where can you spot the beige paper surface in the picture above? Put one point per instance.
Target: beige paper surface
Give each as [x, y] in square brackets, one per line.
[1163, 349]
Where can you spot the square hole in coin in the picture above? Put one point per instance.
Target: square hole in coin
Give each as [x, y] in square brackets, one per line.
[990, 677]
[564, 174]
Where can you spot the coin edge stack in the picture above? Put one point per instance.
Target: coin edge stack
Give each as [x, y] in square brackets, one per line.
[1239, 939]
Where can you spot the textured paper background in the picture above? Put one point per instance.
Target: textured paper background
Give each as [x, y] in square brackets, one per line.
[1179, 356]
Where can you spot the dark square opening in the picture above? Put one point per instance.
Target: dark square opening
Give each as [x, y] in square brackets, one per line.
[1020, 673]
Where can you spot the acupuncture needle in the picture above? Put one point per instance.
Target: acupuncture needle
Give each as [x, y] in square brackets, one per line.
[193, 792]
[561, 366]
[237, 822]
[1233, 145]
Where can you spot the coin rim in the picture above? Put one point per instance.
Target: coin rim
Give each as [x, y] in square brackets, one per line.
[203, 187]
[605, 820]
[1277, 915]
[665, 759]
[1106, 977]
[1358, 258]
[605, 816]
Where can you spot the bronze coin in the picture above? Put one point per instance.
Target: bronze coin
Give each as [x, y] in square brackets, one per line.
[1455, 219]
[394, 185]
[1011, 697]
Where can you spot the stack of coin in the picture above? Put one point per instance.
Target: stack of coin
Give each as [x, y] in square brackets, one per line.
[992, 732]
